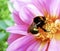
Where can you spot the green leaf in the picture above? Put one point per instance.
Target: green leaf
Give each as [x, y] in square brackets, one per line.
[9, 22]
[3, 25]
[2, 35]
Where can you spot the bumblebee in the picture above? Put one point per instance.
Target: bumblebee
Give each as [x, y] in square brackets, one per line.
[38, 21]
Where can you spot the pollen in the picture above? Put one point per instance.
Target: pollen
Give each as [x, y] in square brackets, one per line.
[52, 28]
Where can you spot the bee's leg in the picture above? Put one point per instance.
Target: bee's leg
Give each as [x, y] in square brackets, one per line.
[45, 30]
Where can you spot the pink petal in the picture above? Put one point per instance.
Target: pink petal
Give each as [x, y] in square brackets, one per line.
[55, 7]
[42, 5]
[21, 29]
[24, 1]
[54, 45]
[12, 0]
[36, 48]
[33, 47]
[17, 18]
[18, 4]
[28, 9]
[34, 10]
[29, 12]
[13, 37]
[21, 43]
[26, 16]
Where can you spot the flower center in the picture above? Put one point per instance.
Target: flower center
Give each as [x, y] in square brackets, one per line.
[51, 30]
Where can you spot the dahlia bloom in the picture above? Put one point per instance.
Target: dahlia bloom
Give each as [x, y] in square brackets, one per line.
[24, 12]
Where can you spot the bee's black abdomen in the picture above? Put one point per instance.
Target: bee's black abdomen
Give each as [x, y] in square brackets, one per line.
[33, 31]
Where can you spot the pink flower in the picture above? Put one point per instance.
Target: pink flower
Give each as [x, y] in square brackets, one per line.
[24, 12]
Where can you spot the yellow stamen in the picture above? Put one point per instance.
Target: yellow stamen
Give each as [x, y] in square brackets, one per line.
[52, 29]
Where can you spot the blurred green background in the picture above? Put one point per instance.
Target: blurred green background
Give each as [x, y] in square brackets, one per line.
[5, 21]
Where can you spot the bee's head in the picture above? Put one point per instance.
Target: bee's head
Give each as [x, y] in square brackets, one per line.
[39, 21]
[36, 19]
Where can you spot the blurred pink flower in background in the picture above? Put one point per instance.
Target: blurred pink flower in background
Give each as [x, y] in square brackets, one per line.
[23, 12]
